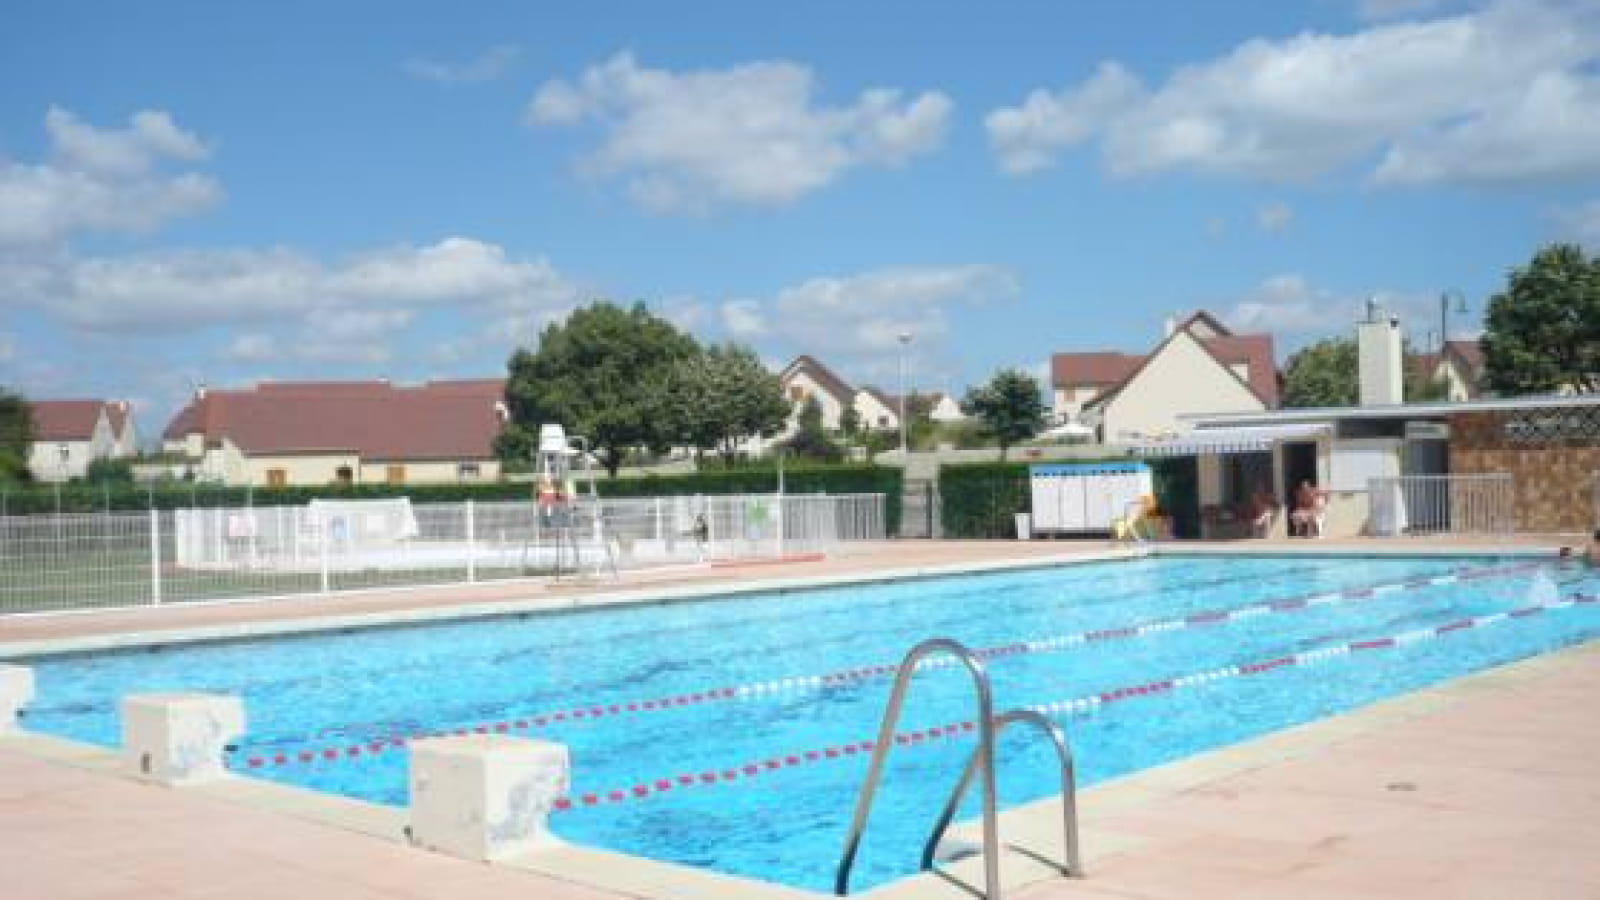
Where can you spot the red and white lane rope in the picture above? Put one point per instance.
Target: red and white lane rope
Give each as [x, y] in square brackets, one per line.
[1085, 704]
[780, 686]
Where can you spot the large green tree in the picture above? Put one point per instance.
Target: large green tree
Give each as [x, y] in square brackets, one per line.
[723, 396]
[1010, 407]
[605, 374]
[1542, 332]
[1321, 374]
[16, 434]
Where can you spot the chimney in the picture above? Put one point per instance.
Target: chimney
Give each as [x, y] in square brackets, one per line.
[1168, 326]
[1380, 362]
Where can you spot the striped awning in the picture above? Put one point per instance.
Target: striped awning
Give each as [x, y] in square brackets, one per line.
[1219, 441]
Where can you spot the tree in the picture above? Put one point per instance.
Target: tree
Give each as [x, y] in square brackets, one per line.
[1322, 374]
[1327, 373]
[16, 435]
[850, 422]
[604, 374]
[1542, 333]
[810, 440]
[724, 396]
[1010, 407]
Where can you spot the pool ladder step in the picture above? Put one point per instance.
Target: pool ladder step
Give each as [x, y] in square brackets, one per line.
[980, 765]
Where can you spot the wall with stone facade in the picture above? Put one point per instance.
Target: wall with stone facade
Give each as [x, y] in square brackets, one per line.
[1553, 457]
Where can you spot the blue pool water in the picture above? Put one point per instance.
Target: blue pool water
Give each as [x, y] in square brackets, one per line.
[332, 691]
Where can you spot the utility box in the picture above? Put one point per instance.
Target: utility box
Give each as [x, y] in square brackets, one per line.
[1085, 498]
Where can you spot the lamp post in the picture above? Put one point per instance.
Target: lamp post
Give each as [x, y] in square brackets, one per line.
[905, 342]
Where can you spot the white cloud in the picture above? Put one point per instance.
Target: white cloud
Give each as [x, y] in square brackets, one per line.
[489, 65]
[854, 321]
[1500, 93]
[1274, 216]
[1294, 310]
[1393, 9]
[1027, 138]
[102, 180]
[183, 290]
[744, 319]
[1581, 224]
[750, 135]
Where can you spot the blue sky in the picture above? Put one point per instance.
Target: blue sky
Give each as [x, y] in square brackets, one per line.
[220, 193]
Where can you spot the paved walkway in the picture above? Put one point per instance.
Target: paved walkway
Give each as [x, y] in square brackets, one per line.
[1483, 788]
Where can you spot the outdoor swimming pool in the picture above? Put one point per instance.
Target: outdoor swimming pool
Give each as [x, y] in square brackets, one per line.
[729, 734]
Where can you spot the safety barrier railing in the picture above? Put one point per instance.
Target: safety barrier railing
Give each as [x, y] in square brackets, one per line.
[115, 559]
[1442, 504]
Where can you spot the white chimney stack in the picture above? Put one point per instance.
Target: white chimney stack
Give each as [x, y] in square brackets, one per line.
[1168, 326]
[1381, 362]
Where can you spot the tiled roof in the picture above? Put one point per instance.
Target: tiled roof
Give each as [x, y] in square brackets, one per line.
[1096, 369]
[1469, 352]
[65, 420]
[375, 420]
[1255, 351]
[888, 401]
[117, 411]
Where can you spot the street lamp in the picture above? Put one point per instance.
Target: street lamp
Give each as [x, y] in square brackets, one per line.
[905, 342]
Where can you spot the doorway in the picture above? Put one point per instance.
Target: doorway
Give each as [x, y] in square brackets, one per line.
[1299, 464]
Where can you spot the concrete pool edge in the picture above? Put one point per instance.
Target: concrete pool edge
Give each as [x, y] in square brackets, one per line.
[1035, 827]
[648, 595]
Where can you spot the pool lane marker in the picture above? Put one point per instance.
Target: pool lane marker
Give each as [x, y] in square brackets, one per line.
[1079, 705]
[862, 673]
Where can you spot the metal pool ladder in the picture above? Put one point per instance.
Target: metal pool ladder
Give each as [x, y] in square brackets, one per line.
[981, 763]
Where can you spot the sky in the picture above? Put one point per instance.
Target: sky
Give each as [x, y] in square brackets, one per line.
[204, 193]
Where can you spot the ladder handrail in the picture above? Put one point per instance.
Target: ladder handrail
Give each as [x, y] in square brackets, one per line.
[984, 755]
[1073, 865]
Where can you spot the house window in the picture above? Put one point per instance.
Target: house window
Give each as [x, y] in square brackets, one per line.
[64, 450]
[883, 421]
[277, 478]
[797, 393]
[467, 471]
[343, 475]
[395, 475]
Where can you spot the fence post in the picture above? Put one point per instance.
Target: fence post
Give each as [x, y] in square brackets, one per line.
[472, 546]
[322, 541]
[155, 557]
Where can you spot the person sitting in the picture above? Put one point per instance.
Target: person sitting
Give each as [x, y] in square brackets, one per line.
[1262, 510]
[1309, 504]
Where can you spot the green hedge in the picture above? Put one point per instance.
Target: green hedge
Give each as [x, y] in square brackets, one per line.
[981, 500]
[33, 499]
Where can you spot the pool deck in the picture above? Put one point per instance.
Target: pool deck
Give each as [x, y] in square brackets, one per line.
[1483, 786]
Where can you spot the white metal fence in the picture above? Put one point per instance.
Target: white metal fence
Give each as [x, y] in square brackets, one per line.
[1442, 504]
[115, 559]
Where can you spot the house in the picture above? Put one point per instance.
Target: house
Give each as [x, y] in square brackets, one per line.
[945, 408]
[68, 435]
[1390, 467]
[877, 411]
[1460, 367]
[806, 378]
[279, 434]
[1199, 366]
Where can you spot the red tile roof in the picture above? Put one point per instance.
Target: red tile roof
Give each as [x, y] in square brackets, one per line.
[1470, 353]
[374, 420]
[1255, 351]
[117, 411]
[65, 420]
[1096, 369]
